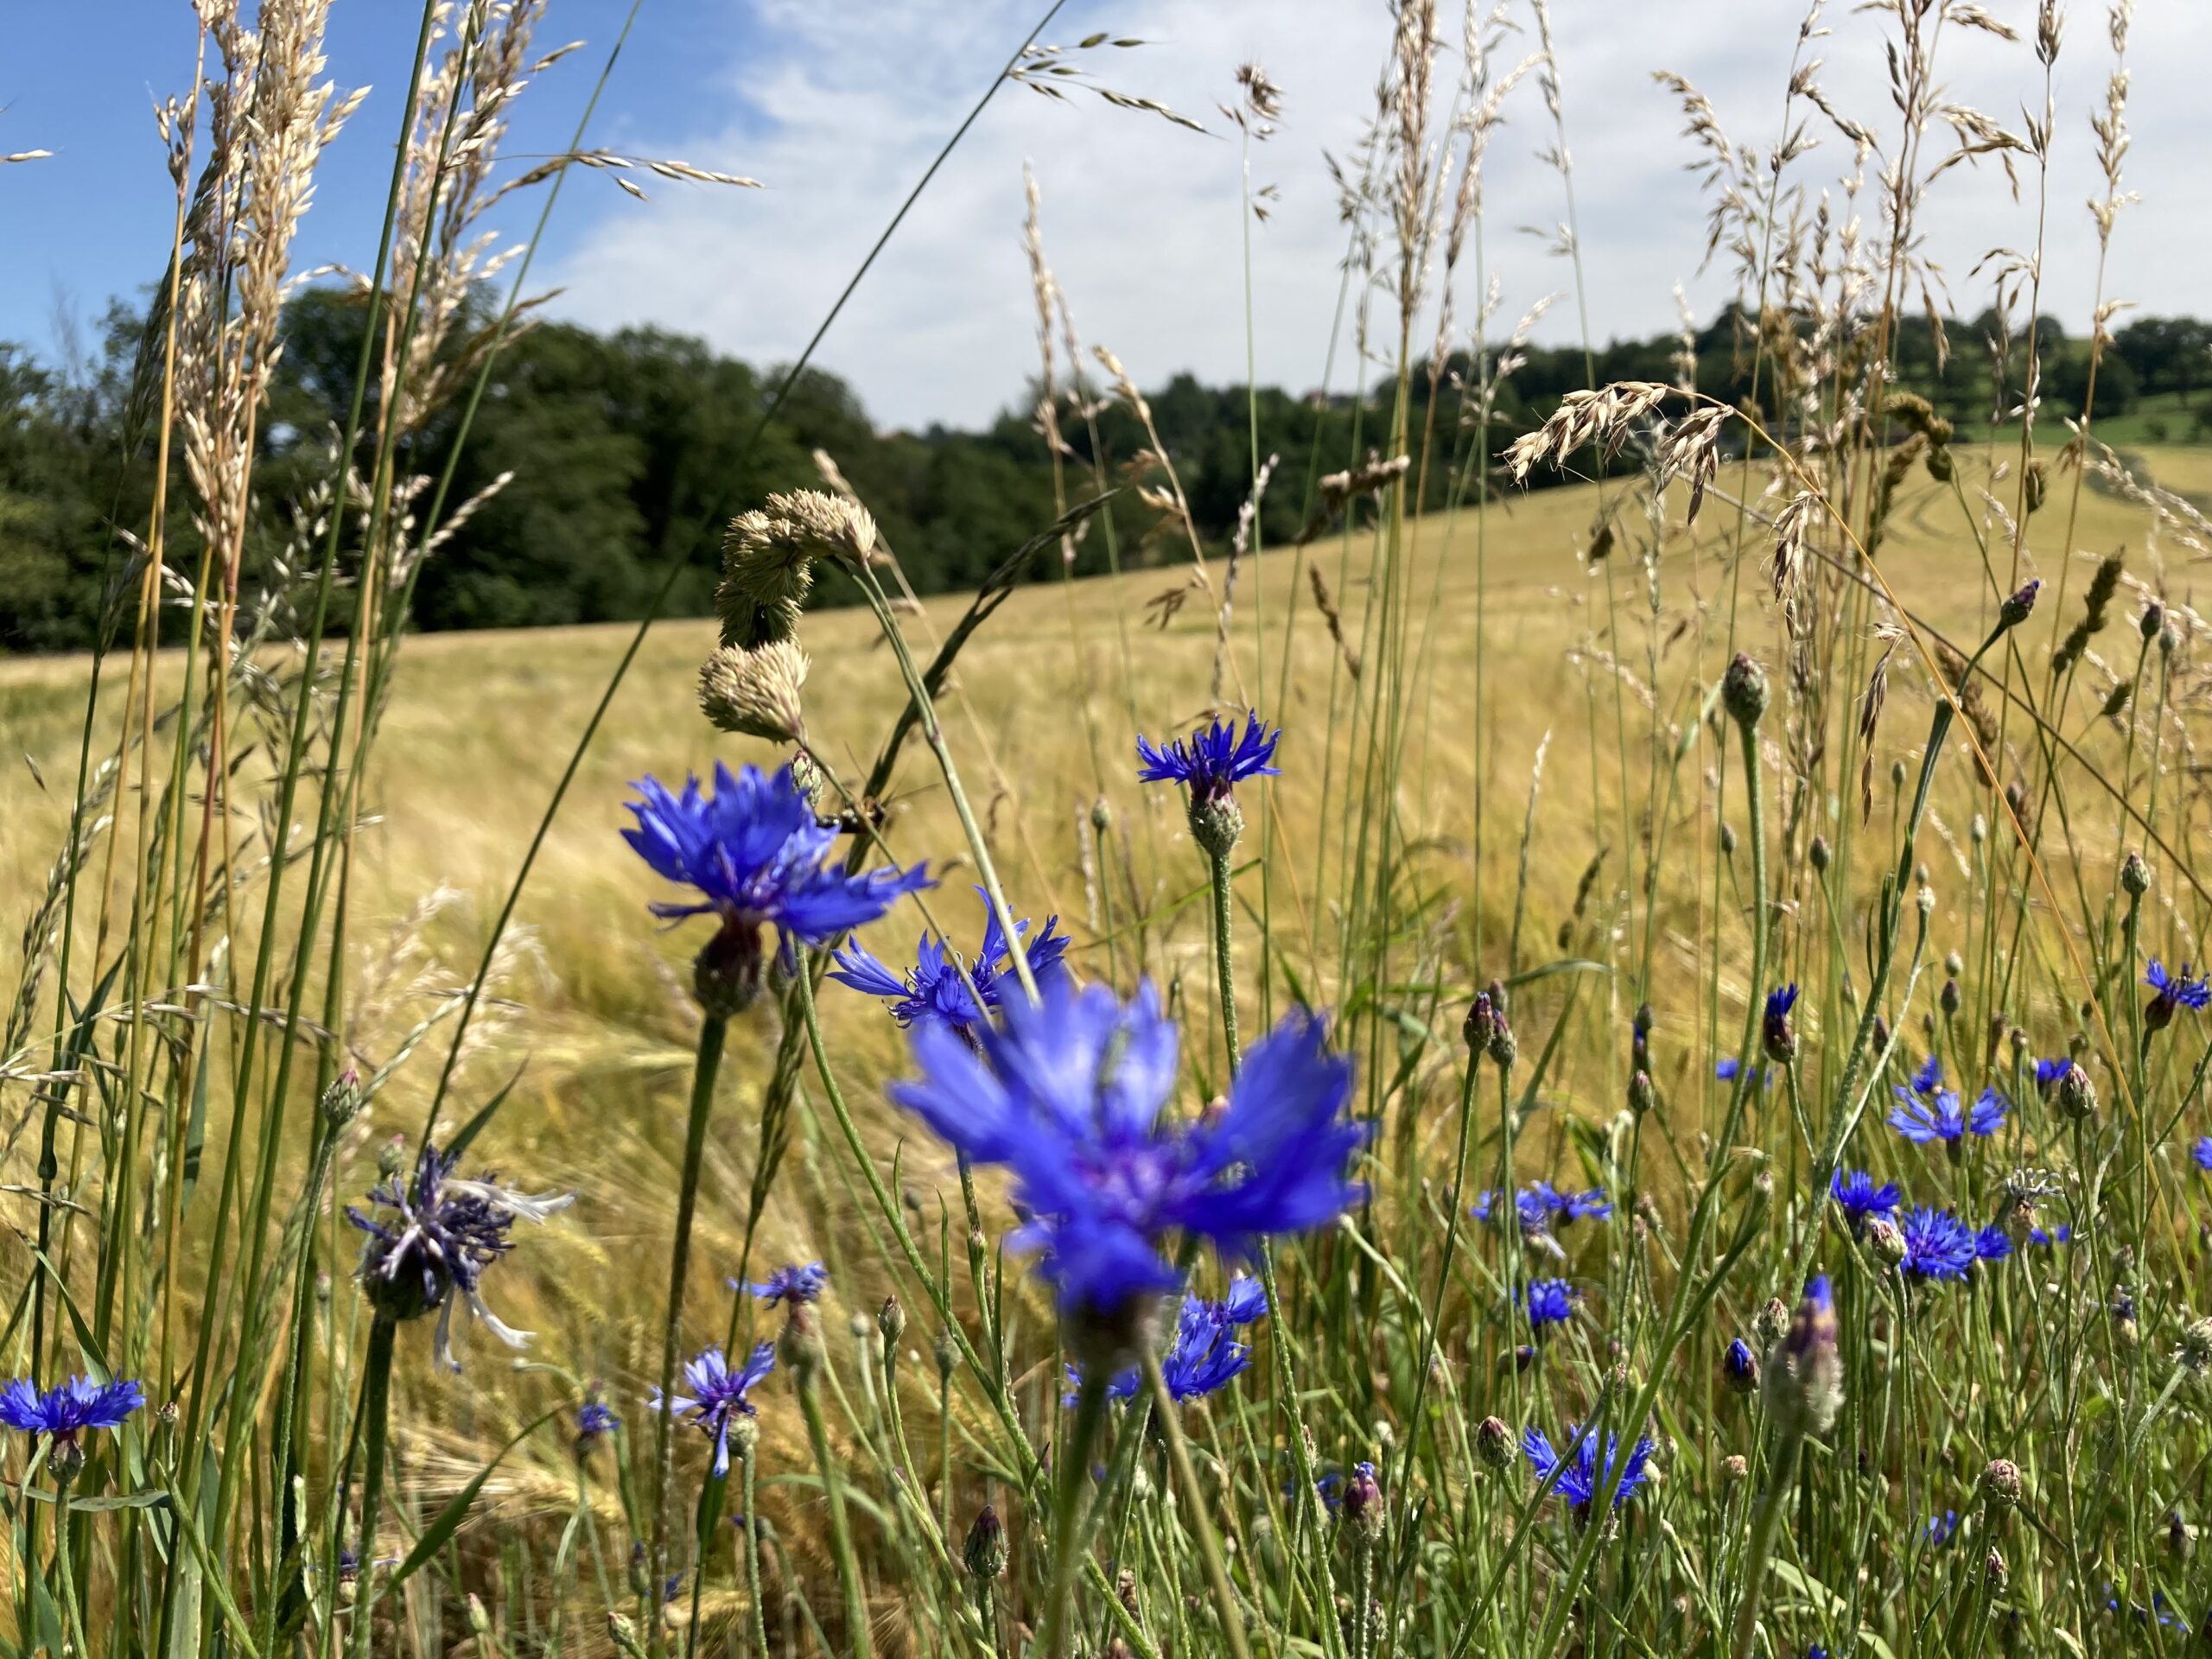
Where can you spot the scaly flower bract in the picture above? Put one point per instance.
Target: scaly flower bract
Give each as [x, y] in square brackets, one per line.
[1937, 1245]
[1858, 1195]
[718, 1392]
[1070, 1095]
[70, 1409]
[1213, 759]
[934, 988]
[1580, 1475]
[442, 1233]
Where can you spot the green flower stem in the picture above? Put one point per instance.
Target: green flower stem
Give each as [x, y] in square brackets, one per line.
[376, 1411]
[841, 1531]
[1194, 1500]
[759, 1613]
[1764, 1526]
[1073, 1459]
[1224, 957]
[712, 1031]
[66, 1569]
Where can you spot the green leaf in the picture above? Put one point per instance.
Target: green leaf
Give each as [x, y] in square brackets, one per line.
[154, 1499]
[476, 1125]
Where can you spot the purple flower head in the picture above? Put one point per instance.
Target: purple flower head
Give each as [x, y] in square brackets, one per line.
[1944, 1118]
[718, 1392]
[1937, 1245]
[2047, 1237]
[2201, 1152]
[70, 1409]
[1205, 1354]
[595, 1420]
[1858, 1195]
[753, 854]
[1739, 1367]
[1727, 1070]
[1580, 1476]
[935, 990]
[439, 1235]
[1929, 1078]
[1781, 1036]
[1070, 1095]
[2048, 1073]
[1992, 1244]
[1550, 1302]
[1941, 1528]
[795, 1285]
[1213, 759]
[2175, 991]
[1530, 1207]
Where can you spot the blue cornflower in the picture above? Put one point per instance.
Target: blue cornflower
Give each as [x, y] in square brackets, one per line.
[934, 988]
[1944, 1118]
[2201, 1152]
[752, 851]
[802, 1283]
[442, 1233]
[1739, 1367]
[1937, 1245]
[2048, 1073]
[1928, 1079]
[1533, 1209]
[71, 1409]
[1213, 759]
[1070, 1096]
[717, 1392]
[1780, 1036]
[1570, 1207]
[1992, 1244]
[1727, 1071]
[2050, 1235]
[1858, 1197]
[2174, 991]
[1581, 1478]
[1941, 1528]
[1550, 1302]
[594, 1421]
[1205, 1354]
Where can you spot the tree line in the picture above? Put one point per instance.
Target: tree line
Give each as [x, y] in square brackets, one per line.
[629, 450]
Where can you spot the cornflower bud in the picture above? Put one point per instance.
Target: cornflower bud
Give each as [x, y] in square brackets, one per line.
[2017, 605]
[984, 1552]
[1740, 1368]
[2000, 1482]
[1744, 692]
[1804, 1376]
[2135, 875]
[1494, 1443]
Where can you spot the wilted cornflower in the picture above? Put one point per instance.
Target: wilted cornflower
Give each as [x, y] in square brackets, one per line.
[1780, 1036]
[796, 1285]
[1937, 1245]
[1858, 1197]
[717, 1394]
[1070, 1093]
[66, 1412]
[441, 1236]
[1550, 1302]
[1945, 1119]
[1211, 763]
[1580, 1475]
[754, 851]
[935, 990]
[1205, 1354]
[2174, 991]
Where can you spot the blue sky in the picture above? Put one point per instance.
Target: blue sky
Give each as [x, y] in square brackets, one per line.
[835, 106]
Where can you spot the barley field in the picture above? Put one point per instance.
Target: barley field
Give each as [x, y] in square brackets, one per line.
[1613, 1066]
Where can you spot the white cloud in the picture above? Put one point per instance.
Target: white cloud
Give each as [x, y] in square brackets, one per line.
[839, 108]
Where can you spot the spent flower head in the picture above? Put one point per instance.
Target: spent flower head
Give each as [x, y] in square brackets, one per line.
[431, 1238]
